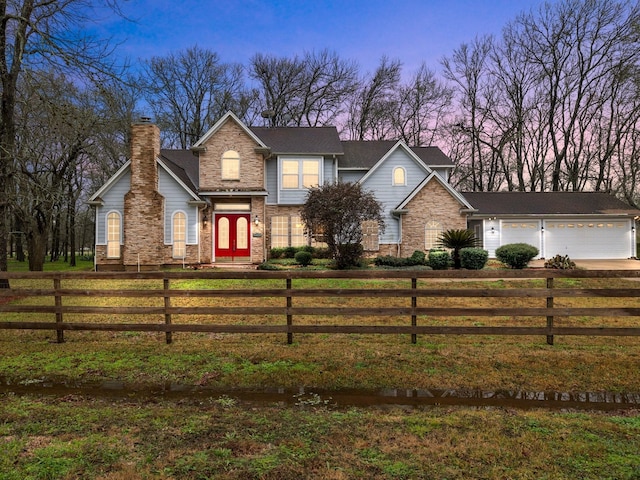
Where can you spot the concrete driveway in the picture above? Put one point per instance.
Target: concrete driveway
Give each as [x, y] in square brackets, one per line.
[622, 264]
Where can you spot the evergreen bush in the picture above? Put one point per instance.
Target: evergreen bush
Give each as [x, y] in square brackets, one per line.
[473, 258]
[303, 258]
[439, 259]
[516, 255]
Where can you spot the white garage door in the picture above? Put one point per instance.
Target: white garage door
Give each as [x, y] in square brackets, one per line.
[588, 238]
[521, 231]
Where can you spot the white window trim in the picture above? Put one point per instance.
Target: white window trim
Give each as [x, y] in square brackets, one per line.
[222, 176]
[300, 160]
[186, 232]
[404, 176]
[106, 232]
[430, 226]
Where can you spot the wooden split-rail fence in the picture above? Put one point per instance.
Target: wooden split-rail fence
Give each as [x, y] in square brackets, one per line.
[415, 302]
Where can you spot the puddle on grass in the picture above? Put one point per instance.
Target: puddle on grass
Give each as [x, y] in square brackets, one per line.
[416, 398]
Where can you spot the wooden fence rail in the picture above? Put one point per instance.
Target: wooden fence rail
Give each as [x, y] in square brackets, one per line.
[27, 297]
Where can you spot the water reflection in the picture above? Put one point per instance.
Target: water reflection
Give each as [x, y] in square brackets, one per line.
[338, 398]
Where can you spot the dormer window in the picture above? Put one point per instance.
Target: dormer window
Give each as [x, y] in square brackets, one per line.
[230, 165]
[399, 176]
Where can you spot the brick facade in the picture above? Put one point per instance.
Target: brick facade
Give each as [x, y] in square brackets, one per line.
[143, 222]
[231, 136]
[432, 203]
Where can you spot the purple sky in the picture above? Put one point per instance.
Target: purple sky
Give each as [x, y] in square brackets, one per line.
[409, 30]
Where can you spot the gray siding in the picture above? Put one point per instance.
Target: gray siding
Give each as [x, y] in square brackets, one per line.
[351, 175]
[390, 196]
[113, 200]
[298, 196]
[271, 181]
[329, 171]
[176, 199]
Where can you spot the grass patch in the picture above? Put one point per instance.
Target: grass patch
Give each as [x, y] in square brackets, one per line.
[159, 439]
[80, 436]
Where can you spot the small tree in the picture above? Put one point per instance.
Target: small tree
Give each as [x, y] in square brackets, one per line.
[457, 240]
[336, 212]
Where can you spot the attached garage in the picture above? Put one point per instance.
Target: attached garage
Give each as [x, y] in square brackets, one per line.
[582, 225]
[588, 238]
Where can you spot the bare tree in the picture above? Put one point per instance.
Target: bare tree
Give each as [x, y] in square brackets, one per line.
[56, 121]
[303, 91]
[421, 107]
[372, 106]
[577, 48]
[468, 69]
[34, 33]
[189, 90]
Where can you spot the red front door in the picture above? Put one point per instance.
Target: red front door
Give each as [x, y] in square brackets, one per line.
[232, 235]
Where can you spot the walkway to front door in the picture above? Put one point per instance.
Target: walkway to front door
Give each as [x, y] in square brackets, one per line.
[231, 240]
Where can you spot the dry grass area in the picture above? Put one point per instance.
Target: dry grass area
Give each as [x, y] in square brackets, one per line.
[73, 436]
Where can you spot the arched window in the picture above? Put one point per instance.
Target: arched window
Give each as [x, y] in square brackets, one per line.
[114, 234]
[179, 229]
[230, 165]
[399, 176]
[432, 232]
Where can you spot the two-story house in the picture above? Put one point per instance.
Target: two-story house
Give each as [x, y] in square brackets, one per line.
[237, 193]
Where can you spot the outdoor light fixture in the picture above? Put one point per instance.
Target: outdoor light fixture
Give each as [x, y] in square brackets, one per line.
[204, 220]
[256, 221]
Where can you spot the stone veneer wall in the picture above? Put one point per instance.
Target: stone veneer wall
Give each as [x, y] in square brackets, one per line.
[231, 136]
[433, 202]
[143, 205]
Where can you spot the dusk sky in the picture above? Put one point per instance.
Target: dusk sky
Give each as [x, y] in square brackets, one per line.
[409, 30]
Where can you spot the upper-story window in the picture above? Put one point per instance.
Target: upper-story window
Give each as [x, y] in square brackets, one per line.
[300, 173]
[230, 165]
[399, 176]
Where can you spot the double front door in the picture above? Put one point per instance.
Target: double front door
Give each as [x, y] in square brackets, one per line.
[232, 235]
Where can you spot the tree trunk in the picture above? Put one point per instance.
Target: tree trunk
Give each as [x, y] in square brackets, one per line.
[37, 247]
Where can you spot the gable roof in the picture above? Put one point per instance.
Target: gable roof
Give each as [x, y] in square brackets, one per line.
[434, 176]
[300, 140]
[548, 203]
[229, 116]
[184, 165]
[365, 154]
[398, 145]
[96, 197]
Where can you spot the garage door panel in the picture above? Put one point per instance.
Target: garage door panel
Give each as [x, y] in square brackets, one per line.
[587, 239]
[521, 231]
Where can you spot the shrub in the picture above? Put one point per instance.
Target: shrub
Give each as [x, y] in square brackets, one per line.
[276, 252]
[473, 258]
[303, 258]
[516, 255]
[560, 262]
[418, 258]
[267, 266]
[390, 261]
[349, 255]
[456, 240]
[439, 259]
[290, 252]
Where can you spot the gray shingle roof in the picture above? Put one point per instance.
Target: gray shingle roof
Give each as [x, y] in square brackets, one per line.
[300, 140]
[184, 165]
[547, 203]
[365, 154]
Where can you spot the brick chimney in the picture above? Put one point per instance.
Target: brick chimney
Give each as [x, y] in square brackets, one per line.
[143, 204]
[145, 149]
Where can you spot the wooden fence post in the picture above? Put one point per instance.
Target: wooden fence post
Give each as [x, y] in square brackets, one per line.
[167, 305]
[550, 305]
[58, 303]
[289, 316]
[414, 304]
